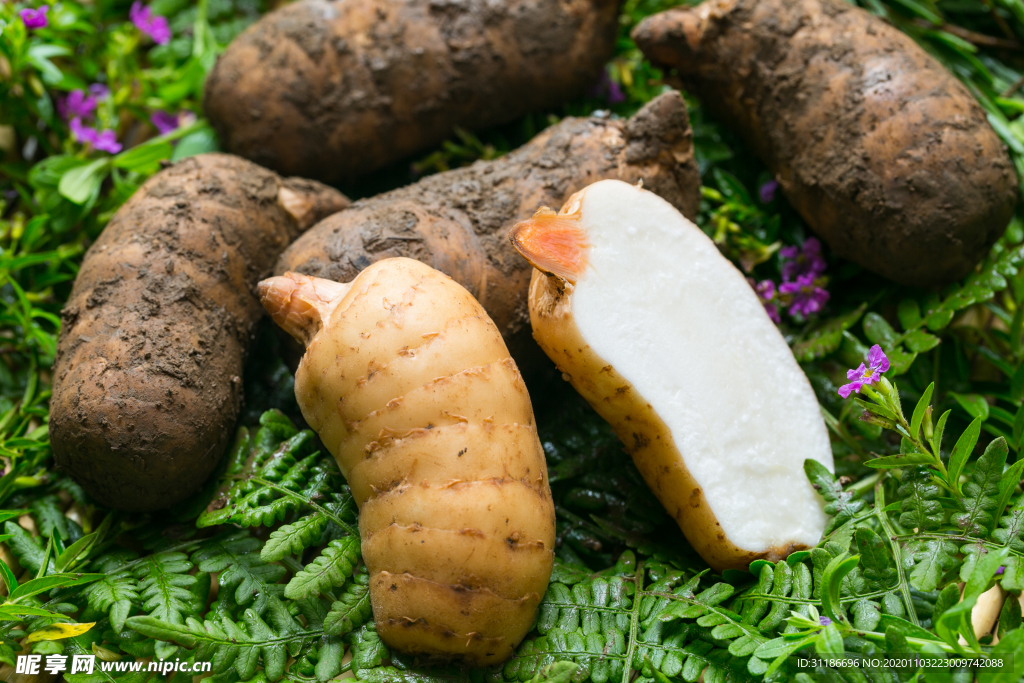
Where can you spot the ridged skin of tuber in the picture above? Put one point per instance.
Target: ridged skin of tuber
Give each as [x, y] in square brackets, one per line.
[883, 151]
[334, 89]
[147, 379]
[457, 221]
[411, 388]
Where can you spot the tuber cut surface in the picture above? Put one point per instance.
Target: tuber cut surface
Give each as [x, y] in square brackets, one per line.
[663, 336]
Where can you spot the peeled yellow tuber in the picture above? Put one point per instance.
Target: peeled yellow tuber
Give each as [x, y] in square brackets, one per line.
[411, 388]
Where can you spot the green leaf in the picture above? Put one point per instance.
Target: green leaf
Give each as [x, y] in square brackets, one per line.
[163, 586]
[908, 460]
[143, 158]
[201, 141]
[80, 183]
[330, 569]
[835, 572]
[932, 559]
[981, 492]
[241, 568]
[826, 337]
[909, 313]
[840, 504]
[918, 502]
[962, 450]
[920, 341]
[879, 331]
[975, 404]
[352, 610]
[292, 539]
[919, 411]
[46, 583]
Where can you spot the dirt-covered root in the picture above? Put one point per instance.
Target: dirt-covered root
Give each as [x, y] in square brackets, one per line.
[882, 150]
[458, 221]
[147, 380]
[332, 89]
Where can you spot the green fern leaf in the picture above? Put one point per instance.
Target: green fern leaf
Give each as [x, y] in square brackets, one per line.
[352, 609]
[241, 568]
[840, 504]
[163, 586]
[331, 569]
[919, 505]
[932, 559]
[981, 493]
[292, 539]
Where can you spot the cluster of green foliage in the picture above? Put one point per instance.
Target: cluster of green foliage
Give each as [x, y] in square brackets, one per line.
[260, 573]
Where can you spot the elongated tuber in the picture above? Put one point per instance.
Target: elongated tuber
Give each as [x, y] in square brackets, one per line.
[331, 89]
[668, 343]
[457, 221]
[147, 379]
[411, 388]
[882, 150]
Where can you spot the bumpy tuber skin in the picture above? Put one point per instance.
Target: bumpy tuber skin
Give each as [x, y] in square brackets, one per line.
[332, 89]
[147, 377]
[410, 387]
[457, 221]
[667, 341]
[881, 150]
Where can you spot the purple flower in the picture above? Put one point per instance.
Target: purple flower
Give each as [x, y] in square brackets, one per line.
[802, 261]
[1001, 570]
[765, 290]
[34, 18]
[104, 141]
[76, 104]
[806, 296]
[607, 88]
[824, 621]
[153, 25]
[878, 365]
[164, 121]
[768, 191]
[99, 91]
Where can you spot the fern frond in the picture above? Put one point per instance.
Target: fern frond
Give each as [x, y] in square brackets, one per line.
[292, 539]
[332, 568]
[164, 585]
[241, 567]
[352, 609]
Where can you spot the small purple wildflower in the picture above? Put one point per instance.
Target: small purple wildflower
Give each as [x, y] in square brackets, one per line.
[824, 621]
[164, 121]
[806, 260]
[768, 191]
[99, 91]
[607, 88]
[878, 365]
[807, 295]
[104, 141]
[153, 25]
[1001, 570]
[76, 105]
[766, 293]
[34, 18]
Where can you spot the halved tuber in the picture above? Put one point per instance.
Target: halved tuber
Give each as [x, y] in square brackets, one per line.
[147, 379]
[883, 151]
[457, 221]
[411, 388]
[333, 89]
[667, 341]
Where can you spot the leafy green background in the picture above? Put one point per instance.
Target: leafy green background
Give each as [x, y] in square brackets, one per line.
[267, 584]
